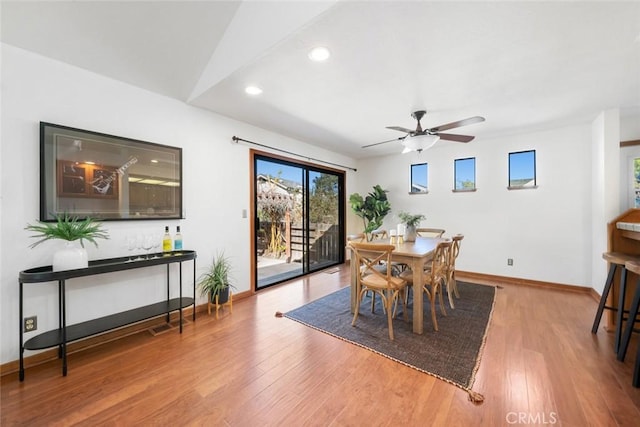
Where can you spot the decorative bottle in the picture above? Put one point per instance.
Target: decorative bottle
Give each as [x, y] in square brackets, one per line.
[177, 240]
[166, 240]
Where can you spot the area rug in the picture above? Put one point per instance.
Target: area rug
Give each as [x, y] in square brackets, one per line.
[452, 354]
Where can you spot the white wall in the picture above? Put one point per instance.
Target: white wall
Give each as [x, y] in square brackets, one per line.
[545, 230]
[216, 185]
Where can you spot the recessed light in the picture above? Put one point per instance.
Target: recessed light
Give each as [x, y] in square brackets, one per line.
[154, 161]
[319, 54]
[253, 90]
[89, 162]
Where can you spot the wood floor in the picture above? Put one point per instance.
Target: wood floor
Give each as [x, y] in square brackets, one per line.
[541, 366]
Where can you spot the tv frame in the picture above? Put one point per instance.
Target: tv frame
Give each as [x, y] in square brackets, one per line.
[92, 174]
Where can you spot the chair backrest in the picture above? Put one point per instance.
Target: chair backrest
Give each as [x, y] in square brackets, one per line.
[369, 256]
[455, 249]
[378, 234]
[440, 261]
[359, 237]
[430, 232]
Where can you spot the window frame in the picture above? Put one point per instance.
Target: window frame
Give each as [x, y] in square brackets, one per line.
[535, 177]
[426, 178]
[455, 176]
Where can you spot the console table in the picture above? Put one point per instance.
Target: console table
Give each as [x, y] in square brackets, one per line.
[68, 333]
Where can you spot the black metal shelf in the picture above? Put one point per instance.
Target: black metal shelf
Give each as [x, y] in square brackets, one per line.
[104, 324]
[64, 334]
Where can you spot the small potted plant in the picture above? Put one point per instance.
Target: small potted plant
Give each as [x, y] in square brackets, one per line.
[411, 224]
[69, 228]
[215, 281]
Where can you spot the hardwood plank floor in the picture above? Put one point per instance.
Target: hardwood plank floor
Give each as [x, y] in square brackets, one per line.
[541, 365]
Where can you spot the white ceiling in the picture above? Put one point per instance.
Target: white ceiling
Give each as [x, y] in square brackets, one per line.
[522, 65]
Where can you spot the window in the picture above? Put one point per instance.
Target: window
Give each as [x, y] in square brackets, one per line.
[522, 169]
[419, 178]
[464, 174]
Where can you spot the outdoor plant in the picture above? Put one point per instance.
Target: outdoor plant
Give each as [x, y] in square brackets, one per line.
[372, 209]
[70, 228]
[217, 278]
[410, 220]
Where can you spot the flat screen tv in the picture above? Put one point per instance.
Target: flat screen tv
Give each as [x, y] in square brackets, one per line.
[85, 173]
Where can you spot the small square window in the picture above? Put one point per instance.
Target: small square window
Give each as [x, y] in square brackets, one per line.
[522, 169]
[465, 174]
[419, 178]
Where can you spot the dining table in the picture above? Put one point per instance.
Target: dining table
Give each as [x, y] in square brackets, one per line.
[414, 254]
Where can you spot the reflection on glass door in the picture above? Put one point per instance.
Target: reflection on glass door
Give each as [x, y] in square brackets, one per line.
[324, 225]
[298, 226]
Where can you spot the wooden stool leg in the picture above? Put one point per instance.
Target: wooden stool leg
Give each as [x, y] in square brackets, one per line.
[620, 312]
[636, 370]
[633, 311]
[603, 299]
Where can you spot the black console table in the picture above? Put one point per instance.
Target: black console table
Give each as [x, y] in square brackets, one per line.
[65, 334]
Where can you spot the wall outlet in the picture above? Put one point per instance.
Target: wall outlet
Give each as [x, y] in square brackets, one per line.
[30, 323]
[510, 261]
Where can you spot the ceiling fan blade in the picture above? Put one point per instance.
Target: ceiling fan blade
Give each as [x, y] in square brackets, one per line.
[457, 138]
[384, 142]
[459, 123]
[401, 129]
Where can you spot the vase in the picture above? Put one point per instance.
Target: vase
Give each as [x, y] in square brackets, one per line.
[410, 233]
[72, 256]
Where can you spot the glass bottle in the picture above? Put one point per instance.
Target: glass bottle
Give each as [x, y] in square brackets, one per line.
[166, 240]
[177, 241]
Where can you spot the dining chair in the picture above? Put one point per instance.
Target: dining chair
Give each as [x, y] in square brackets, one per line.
[430, 232]
[390, 288]
[434, 278]
[450, 283]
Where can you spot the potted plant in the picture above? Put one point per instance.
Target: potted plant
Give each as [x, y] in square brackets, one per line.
[372, 209]
[69, 228]
[411, 224]
[215, 281]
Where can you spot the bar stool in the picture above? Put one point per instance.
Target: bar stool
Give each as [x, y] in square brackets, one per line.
[615, 259]
[633, 266]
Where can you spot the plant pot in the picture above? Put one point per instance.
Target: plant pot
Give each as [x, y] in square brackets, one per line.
[70, 257]
[223, 296]
[410, 233]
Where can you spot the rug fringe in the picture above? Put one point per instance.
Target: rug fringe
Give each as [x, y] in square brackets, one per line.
[475, 397]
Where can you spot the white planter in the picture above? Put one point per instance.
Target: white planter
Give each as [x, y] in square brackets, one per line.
[410, 233]
[70, 257]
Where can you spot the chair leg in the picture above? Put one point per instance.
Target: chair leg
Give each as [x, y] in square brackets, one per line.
[455, 284]
[633, 311]
[636, 370]
[442, 307]
[355, 315]
[603, 299]
[450, 291]
[620, 312]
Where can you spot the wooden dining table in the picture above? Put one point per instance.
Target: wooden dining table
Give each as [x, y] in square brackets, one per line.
[415, 255]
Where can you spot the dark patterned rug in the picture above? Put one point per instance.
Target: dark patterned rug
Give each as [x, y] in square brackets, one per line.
[451, 354]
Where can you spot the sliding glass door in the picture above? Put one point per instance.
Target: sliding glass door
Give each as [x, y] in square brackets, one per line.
[298, 219]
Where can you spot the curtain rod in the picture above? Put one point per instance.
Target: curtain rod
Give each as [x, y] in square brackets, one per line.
[236, 139]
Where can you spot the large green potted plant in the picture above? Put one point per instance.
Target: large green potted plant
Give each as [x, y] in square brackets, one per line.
[216, 280]
[69, 228]
[372, 208]
[411, 222]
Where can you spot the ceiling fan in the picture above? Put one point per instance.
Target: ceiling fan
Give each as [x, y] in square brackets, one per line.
[421, 139]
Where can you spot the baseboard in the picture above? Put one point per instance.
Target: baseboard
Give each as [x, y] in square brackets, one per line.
[482, 277]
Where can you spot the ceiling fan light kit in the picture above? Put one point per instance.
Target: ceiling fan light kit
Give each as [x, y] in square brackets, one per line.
[423, 139]
[419, 143]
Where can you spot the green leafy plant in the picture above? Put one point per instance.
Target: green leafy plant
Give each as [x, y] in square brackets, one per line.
[372, 209]
[410, 220]
[217, 278]
[70, 228]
